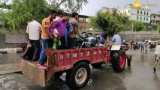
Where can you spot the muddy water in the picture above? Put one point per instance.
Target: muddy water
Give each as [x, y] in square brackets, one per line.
[9, 58]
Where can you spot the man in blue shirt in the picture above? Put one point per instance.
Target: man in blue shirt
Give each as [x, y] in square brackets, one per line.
[116, 39]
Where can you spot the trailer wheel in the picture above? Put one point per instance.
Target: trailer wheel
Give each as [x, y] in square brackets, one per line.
[78, 77]
[118, 62]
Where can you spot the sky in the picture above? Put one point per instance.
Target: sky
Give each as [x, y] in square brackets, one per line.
[93, 6]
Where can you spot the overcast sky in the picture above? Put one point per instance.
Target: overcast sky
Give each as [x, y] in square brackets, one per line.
[95, 5]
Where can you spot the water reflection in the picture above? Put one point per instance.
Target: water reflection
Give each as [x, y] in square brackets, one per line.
[142, 58]
[105, 80]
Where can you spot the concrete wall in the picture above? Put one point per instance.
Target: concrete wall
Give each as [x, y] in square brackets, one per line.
[11, 40]
[2, 40]
[140, 35]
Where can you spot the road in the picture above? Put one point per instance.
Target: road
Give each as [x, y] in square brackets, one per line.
[139, 77]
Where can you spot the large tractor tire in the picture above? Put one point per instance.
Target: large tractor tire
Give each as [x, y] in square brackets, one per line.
[118, 62]
[79, 76]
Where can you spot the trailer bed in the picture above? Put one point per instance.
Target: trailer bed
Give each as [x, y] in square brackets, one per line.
[63, 60]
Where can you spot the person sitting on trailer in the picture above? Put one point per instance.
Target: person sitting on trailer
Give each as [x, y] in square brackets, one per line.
[116, 39]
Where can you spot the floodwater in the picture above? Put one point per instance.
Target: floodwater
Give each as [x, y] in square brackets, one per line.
[139, 77]
[9, 58]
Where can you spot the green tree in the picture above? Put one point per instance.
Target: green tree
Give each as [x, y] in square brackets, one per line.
[139, 26]
[110, 22]
[158, 28]
[23, 11]
[3, 4]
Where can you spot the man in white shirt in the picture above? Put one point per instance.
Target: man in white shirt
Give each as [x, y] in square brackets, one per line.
[33, 31]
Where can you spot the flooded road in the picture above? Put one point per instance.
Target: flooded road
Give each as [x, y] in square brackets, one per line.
[9, 58]
[139, 77]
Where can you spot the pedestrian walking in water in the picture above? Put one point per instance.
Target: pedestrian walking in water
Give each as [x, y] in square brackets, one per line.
[146, 47]
[156, 57]
[142, 46]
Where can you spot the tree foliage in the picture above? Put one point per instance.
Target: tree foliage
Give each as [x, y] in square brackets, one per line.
[138, 26]
[68, 5]
[110, 22]
[158, 28]
[23, 11]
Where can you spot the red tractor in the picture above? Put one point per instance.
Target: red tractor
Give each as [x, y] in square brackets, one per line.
[76, 63]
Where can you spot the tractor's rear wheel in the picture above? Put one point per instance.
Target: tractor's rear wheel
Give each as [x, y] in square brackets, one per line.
[79, 76]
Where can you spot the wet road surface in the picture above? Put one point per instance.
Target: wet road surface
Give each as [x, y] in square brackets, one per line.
[139, 77]
[9, 58]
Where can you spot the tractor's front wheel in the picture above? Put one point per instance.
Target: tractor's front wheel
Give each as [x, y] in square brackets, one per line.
[118, 62]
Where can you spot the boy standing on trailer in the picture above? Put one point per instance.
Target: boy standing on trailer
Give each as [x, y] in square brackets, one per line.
[46, 22]
[74, 30]
[57, 31]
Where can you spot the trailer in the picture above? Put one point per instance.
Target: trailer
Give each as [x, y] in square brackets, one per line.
[76, 63]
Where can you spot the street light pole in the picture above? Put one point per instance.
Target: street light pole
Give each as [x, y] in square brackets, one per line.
[132, 27]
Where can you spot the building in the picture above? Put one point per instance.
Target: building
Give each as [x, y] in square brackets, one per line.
[125, 12]
[110, 10]
[142, 14]
[155, 19]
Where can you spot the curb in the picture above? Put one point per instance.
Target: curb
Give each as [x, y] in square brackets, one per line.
[10, 50]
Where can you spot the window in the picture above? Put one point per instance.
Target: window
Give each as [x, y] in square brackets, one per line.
[146, 19]
[147, 14]
[138, 11]
[141, 12]
[140, 18]
[144, 13]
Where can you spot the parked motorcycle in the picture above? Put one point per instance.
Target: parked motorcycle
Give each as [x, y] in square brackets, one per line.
[86, 40]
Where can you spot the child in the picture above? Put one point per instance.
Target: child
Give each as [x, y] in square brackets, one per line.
[56, 39]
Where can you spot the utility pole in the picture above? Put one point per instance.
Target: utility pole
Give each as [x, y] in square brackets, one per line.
[132, 27]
